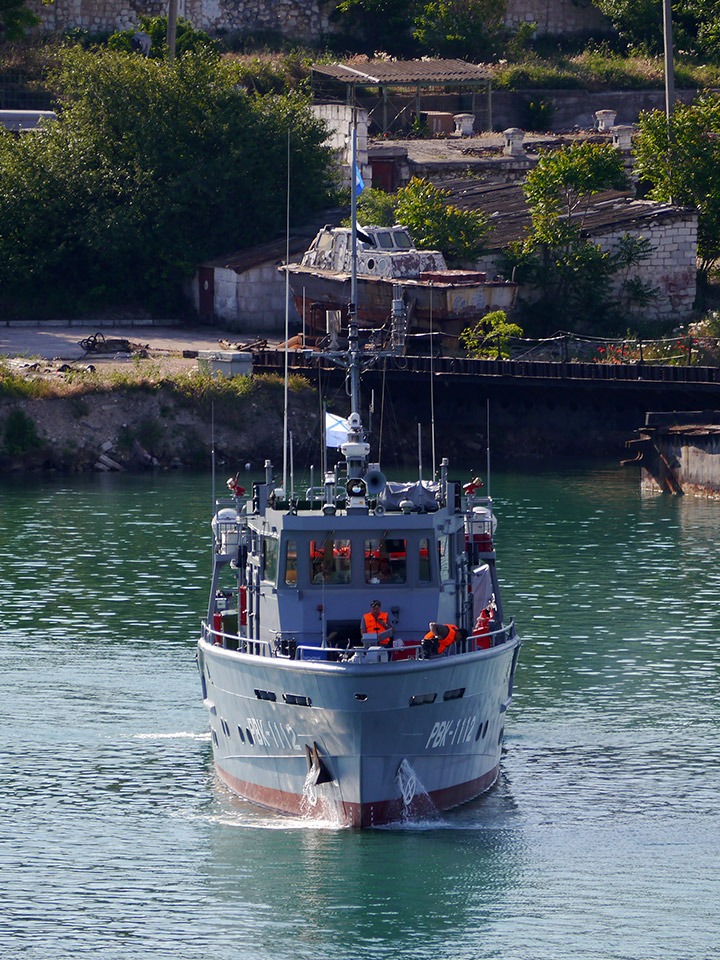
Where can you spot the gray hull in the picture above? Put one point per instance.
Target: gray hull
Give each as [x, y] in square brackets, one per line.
[359, 744]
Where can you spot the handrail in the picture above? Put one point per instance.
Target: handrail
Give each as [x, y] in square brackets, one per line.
[267, 648]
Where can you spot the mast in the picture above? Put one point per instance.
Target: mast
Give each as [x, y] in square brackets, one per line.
[354, 359]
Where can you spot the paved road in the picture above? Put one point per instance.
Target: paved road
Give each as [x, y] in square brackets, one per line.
[63, 342]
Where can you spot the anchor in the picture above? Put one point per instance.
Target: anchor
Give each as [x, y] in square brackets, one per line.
[315, 761]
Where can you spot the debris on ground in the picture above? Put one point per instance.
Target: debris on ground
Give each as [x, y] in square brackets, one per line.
[99, 343]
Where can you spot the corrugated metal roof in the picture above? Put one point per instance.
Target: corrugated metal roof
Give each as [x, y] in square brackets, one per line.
[510, 217]
[405, 72]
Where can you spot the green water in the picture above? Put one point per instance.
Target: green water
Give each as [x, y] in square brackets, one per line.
[599, 841]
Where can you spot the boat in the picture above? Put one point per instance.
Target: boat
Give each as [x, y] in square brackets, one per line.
[389, 266]
[319, 705]
[310, 716]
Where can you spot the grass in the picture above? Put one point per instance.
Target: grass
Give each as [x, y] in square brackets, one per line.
[599, 69]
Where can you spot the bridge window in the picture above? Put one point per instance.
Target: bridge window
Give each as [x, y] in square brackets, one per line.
[291, 563]
[384, 240]
[425, 574]
[386, 560]
[270, 558]
[444, 556]
[330, 561]
[402, 240]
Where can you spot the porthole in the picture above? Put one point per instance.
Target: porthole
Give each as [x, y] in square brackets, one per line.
[297, 700]
[479, 732]
[361, 697]
[215, 739]
[485, 728]
[454, 694]
[500, 735]
[249, 735]
[265, 695]
[371, 264]
[421, 698]
[242, 735]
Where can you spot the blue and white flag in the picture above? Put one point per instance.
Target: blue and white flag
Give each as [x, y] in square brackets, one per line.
[359, 182]
[336, 430]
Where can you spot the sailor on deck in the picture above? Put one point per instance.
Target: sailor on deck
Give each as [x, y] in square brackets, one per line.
[439, 637]
[377, 622]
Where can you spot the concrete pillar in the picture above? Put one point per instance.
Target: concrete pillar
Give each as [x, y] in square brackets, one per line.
[605, 120]
[464, 124]
[514, 137]
[622, 137]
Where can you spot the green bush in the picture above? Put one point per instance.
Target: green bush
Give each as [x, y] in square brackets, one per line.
[19, 433]
[187, 38]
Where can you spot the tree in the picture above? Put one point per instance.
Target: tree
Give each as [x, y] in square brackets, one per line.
[459, 28]
[696, 25]
[151, 168]
[491, 336]
[15, 19]
[379, 25]
[187, 38]
[569, 273]
[682, 162]
[436, 225]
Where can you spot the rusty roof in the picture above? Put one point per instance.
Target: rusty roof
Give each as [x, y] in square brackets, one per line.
[510, 216]
[405, 72]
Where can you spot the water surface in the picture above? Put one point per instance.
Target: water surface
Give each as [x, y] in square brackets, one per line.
[599, 841]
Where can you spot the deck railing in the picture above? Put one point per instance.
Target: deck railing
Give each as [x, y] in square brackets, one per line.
[285, 647]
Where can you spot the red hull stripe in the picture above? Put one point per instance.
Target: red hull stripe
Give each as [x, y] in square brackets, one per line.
[347, 814]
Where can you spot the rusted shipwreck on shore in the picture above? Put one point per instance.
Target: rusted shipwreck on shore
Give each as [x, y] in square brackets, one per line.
[679, 452]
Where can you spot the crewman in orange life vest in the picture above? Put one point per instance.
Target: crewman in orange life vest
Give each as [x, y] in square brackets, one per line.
[439, 637]
[377, 622]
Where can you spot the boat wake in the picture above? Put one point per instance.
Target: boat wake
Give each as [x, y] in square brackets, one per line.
[417, 805]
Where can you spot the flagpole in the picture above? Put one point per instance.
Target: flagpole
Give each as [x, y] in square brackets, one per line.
[287, 321]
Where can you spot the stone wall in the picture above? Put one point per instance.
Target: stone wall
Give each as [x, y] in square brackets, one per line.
[672, 266]
[557, 17]
[670, 270]
[296, 18]
[338, 118]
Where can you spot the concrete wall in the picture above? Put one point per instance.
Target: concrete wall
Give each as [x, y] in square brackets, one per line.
[339, 120]
[252, 301]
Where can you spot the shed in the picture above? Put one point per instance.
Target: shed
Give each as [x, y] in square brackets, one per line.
[385, 87]
[672, 232]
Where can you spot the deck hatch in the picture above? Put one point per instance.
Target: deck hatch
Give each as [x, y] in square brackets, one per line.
[421, 698]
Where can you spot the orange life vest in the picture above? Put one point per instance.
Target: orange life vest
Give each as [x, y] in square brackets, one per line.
[449, 639]
[375, 624]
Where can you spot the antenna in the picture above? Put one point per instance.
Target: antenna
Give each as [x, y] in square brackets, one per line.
[292, 469]
[212, 458]
[420, 453]
[432, 386]
[287, 320]
[487, 442]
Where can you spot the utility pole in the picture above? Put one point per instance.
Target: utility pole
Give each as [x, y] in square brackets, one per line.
[669, 64]
[172, 28]
[669, 84]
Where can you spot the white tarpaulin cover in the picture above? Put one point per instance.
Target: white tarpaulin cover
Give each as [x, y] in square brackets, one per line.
[482, 590]
[336, 430]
